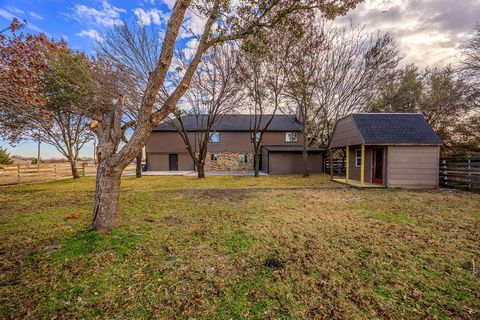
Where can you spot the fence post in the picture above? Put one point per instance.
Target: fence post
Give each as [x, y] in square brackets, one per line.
[18, 173]
[445, 172]
[55, 170]
[83, 167]
[469, 172]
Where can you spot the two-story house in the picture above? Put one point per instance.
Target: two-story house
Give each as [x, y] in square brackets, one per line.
[230, 147]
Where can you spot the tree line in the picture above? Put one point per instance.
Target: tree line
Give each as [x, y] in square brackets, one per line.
[260, 58]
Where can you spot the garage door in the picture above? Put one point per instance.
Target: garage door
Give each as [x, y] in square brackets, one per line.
[292, 163]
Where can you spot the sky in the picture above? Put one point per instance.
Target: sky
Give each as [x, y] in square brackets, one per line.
[429, 32]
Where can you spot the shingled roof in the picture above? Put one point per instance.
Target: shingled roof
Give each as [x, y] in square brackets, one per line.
[385, 129]
[236, 122]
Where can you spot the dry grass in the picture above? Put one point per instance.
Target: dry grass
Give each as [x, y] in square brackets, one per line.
[239, 247]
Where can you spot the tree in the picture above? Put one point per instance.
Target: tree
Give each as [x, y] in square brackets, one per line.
[224, 21]
[68, 91]
[441, 95]
[213, 93]
[471, 56]
[400, 92]
[5, 156]
[134, 49]
[47, 88]
[334, 72]
[23, 59]
[263, 74]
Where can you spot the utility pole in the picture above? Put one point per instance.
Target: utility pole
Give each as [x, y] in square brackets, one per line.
[37, 136]
[94, 151]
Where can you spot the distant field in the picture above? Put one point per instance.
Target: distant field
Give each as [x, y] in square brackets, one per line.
[239, 247]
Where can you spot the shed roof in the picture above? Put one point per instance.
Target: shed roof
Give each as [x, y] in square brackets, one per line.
[393, 129]
[235, 122]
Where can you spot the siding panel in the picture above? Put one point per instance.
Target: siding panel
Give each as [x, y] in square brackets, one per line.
[345, 133]
[413, 166]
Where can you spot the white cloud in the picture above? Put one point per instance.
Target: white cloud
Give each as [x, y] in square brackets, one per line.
[169, 3]
[35, 15]
[107, 16]
[5, 14]
[429, 32]
[14, 10]
[9, 16]
[147, 17]
[91, 33]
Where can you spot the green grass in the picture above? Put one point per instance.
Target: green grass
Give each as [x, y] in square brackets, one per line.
[239, 247]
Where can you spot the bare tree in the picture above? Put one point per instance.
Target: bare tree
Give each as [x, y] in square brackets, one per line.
[335, 71]
[213, 93]
[263, 75]
[224, 21]
[471, 55]
[135, 49]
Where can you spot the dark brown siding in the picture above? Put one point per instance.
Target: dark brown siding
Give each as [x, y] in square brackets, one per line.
[345, 134]
[172, 142]
[265, 160]
[354, 170]
[159, 162]
[292, 162]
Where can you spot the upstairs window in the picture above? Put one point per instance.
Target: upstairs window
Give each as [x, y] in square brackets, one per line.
[257, 136]
[291, 137]
[213, 156]
[358, 157]
[214, 137]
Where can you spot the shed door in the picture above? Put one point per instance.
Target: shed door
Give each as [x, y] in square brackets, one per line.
[377, 166]
[173, 162]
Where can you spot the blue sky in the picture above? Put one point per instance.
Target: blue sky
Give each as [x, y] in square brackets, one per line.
[429, 32]
[79, 23]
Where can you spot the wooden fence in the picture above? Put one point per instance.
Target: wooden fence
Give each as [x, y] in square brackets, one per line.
[32, 173]
[460, 173]
[339, 167]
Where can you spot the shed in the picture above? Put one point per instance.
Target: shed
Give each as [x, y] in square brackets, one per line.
[289, 159]
[394, 150]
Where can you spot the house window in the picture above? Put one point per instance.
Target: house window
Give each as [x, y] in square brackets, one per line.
[358, 157]
[291, 137]
[215, 137]
[213, 156]
[257, 136]
[243, 158]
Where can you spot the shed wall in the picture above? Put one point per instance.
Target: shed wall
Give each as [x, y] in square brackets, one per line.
[345, 133]
[413, 167]
[354, 173]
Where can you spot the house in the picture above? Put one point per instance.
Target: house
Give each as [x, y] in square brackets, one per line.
[394, 150]
[230, 147]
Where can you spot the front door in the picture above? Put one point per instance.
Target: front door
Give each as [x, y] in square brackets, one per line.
[173, 162]
[377, 166]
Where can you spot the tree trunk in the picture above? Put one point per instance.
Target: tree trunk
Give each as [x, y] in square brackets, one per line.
[306, 171]
[73, 166]
[138, 166]
[107, 196]
[201, 169]
[256, 162]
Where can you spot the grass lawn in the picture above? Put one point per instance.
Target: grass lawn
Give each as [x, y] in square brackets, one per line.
[239, 247]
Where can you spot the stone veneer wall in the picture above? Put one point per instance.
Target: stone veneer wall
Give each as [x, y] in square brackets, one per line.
[228, 161]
